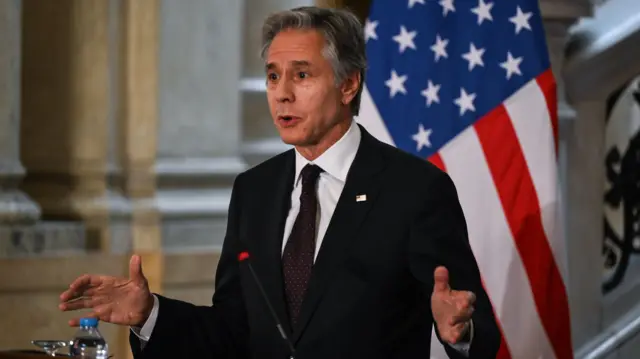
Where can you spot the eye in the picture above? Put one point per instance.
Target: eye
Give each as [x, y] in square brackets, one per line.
[272, 76]
[302, 75]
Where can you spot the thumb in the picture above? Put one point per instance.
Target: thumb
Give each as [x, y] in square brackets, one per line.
[135, 268]
[441, 279]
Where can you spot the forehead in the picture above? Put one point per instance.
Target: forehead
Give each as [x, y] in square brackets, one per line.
[291, 45]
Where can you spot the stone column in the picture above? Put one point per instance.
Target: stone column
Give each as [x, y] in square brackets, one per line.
[21, 230]
[581, 173]
[15, 206]
[65, 108]
[136, 140]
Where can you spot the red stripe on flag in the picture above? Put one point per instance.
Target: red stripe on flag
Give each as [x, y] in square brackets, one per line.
[437, 160]
[503, 351]
[522, 209]
[547, 84]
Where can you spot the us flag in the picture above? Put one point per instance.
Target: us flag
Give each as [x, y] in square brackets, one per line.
[467, 85]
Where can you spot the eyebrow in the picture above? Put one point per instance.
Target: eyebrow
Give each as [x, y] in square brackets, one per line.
[295, 63]
[301, 63]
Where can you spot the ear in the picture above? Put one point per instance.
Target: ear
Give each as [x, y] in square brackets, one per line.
[350, 87]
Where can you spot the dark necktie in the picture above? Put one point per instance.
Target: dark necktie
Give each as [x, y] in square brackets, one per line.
[297, 259]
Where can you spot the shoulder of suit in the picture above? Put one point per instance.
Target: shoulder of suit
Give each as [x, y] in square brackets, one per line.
[411, 173]
[402, 161]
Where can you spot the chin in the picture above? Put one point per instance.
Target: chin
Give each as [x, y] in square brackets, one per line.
[293, 137]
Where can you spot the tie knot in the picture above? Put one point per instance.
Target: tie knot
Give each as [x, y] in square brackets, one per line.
[310, 175]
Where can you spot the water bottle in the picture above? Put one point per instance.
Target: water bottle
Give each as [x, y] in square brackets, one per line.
[88, 342]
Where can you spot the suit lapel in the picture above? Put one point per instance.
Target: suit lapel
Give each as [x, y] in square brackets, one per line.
[364, 179]
[274, 211]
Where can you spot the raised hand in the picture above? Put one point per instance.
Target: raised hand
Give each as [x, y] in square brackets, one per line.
[451, 309]
[125, 301]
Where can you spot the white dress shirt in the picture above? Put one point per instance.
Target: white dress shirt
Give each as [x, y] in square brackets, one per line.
[335, 163]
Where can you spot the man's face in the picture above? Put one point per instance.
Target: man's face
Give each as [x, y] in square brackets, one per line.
[304, 101]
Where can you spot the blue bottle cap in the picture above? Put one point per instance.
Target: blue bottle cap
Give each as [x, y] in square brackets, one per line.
[89, 322]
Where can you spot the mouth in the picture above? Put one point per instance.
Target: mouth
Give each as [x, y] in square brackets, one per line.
[288, 121]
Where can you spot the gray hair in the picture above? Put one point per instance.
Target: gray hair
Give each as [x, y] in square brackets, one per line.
[342, 31]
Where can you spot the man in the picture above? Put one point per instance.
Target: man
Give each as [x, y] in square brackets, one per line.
[357, 244]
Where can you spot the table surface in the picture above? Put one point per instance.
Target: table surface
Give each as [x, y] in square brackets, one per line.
[28, 354]
[32, 354]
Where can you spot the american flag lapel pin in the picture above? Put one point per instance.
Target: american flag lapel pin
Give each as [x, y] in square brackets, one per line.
[361, 198]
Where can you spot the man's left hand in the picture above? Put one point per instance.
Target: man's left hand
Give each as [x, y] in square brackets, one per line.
[451, 309]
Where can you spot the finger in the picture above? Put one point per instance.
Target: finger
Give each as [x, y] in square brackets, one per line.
[455, 334]
[77, 287]
[92, 292]
[71, 294]
[80, 282]
[461, 317]
[471, 297]
[135, 268]
[463, 299]
[68, 295]
[83, 303]
[441, 279]
[86, 280]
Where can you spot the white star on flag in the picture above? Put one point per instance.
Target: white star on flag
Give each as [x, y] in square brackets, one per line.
[512, 65]
[465, 101]
[413, 2]
[440, 48]
[396, 84]
[474, 56]
[447, 6]
[422, 137]
[521, 20]
[483, 11]
[370, 30]
[405, 39]
[431, 93]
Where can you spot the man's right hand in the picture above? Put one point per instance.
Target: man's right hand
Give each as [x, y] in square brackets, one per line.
[124, 301]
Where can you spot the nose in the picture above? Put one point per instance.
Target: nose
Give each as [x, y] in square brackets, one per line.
[284, 91]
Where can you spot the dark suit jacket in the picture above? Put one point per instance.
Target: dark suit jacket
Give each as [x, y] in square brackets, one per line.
[369, 295]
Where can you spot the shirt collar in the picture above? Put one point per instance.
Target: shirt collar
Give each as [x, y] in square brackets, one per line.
[336, 160]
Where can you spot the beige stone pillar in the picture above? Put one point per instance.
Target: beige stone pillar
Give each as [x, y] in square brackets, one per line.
[65, 108]
[15, 206]
[137, 136]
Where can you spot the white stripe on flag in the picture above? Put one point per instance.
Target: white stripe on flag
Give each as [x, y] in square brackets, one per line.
[529, 115]
[371, 120]
[502, 270]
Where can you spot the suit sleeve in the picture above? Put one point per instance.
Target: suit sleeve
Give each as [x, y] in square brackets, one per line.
[184, 330]
[439, 237]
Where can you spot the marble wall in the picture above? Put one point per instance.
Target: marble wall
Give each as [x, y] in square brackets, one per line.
[199, 132]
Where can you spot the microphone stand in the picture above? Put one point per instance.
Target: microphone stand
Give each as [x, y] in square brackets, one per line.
[242, 258]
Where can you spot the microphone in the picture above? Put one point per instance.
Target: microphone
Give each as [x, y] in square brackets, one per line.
[243, 257]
